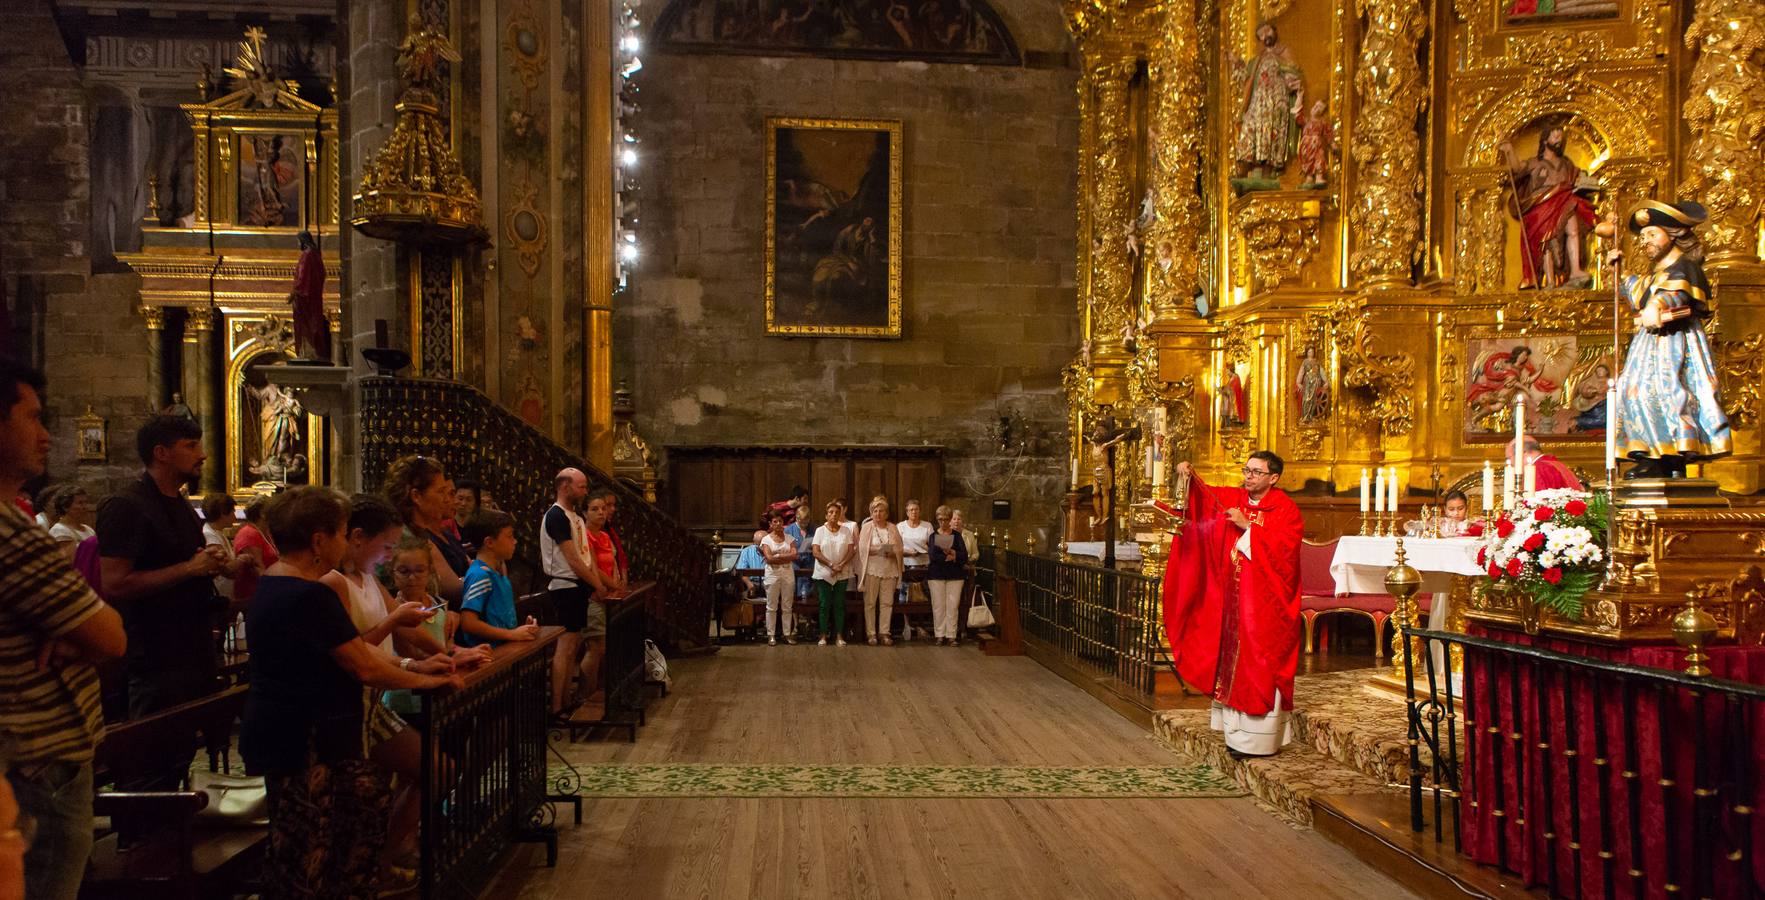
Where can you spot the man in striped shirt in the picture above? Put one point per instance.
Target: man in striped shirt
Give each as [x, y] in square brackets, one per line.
[53, 629]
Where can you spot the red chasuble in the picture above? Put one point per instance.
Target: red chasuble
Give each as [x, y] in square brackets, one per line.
[1233, 622]
[1552, 474]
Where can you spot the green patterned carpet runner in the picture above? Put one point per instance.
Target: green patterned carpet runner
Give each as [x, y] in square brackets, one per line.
[1030, 782]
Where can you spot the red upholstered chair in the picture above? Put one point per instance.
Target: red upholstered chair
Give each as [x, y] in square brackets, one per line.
[1318, 596]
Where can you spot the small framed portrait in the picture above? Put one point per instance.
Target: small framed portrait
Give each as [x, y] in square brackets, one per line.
[89, 433]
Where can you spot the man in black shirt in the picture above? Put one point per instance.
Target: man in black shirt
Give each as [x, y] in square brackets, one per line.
[158, 570]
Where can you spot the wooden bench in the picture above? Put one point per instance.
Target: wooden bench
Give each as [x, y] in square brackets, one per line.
[156, 845]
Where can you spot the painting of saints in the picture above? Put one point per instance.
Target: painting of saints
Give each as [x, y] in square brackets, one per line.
[271, 180]
[1589, 399]
[1501, 375]
[1522, 11]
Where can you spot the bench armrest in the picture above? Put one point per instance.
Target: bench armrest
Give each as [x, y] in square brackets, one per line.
[167, 806]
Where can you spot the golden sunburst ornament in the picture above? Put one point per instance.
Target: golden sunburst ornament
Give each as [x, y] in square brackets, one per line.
[251, 72]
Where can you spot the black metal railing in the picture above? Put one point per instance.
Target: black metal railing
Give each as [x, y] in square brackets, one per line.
[1102, 621]
[484, 768]
[1586, 776]
[475, 437]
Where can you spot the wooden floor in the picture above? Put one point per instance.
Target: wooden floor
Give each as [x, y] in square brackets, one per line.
[913, 704]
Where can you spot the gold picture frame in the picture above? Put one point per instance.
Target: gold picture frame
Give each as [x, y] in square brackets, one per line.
[825, 273]
[90, 442]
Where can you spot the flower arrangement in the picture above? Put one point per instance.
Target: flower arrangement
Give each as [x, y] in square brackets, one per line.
[1551, 546]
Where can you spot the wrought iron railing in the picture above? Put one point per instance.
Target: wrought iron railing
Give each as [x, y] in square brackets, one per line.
[1104, 621]
[1589, 777]
[475, 437]
[484, 769]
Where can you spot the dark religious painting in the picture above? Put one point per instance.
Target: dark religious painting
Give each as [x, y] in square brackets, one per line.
[1525, 11]
[833, 227]
[272, 179]
[963, 31]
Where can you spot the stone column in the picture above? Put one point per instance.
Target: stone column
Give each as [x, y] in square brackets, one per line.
[1175, 133]
[156, 388]
[1386, 215]
[208, 402]
[1725, 112]
[371, 284]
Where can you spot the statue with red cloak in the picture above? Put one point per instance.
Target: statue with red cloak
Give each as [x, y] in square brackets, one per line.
[312, 333]
[1231, 603]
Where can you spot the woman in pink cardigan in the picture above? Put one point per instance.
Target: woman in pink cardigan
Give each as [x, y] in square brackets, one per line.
[879, 570]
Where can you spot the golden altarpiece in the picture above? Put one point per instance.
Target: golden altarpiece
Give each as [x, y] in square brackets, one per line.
[216, 279]
[1302, 228]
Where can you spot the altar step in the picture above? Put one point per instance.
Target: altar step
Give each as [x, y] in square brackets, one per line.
[1357, 722]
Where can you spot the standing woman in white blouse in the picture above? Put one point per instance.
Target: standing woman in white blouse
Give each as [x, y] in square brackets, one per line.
[879, 570]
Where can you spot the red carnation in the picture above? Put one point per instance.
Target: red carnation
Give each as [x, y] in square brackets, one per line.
[1514, 567]
[1534, 542]
[1482, 556]
[1503, 527]
[1494, 570]
[1553, 574]
[1475, 529]
[1575, 508]
[1543, 514]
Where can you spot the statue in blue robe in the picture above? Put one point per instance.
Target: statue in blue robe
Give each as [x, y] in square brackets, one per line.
[1669, 404]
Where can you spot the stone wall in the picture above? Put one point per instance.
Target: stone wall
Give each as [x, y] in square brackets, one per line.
[989, 309]
[81, 330]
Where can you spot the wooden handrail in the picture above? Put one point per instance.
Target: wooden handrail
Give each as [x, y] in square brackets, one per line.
[505, 655]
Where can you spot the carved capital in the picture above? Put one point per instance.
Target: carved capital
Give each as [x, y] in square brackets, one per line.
[199, 318]
[154, 316]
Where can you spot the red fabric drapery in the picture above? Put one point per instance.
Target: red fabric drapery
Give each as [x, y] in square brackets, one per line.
[1521, 831]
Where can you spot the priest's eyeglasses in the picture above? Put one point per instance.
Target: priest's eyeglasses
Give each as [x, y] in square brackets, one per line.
[1261, 473]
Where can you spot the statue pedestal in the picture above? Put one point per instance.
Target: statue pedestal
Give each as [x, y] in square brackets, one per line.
[1670, 537]
[324, 388]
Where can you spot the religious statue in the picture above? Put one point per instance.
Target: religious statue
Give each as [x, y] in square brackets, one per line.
[1316, 138]
[1314, 388]
[1554, 216]
[312, 333]
[1268, 113]
[1234, 404]
[1669, 407]
[279, 426]
[178, 408]
[422, 52]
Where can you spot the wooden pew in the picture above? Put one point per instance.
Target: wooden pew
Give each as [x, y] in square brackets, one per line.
[156, 846]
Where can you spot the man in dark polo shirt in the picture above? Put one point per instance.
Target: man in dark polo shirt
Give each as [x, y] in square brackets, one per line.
[159, 571]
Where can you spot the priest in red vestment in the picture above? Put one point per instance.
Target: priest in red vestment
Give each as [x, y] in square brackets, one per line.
[1231, 603]
[1551, 472]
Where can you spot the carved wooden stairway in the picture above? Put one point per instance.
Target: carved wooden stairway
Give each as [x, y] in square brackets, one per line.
[475, 437]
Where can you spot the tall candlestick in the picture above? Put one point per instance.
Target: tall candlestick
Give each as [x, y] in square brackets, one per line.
[1611, 423]
[1366, 501]
[1488, 487]
[1379, 491]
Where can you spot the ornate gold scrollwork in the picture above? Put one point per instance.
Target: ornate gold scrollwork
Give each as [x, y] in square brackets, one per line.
[1741, 367]
[1279, 232]
[1725, 112]
[1172, 249]
[1389, 378]
[1480, 244]
[1111, 164]
[1386, 214]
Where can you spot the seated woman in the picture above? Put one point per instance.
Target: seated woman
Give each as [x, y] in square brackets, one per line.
[302, 729]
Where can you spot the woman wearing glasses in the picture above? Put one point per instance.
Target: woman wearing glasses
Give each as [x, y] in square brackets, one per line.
[1232, 603]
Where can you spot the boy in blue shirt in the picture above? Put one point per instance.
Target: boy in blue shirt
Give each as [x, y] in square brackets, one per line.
[487, 615]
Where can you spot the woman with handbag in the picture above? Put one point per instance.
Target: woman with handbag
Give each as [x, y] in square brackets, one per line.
[945, 573]
[879, 570]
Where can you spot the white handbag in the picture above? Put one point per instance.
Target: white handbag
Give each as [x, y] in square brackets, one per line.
[979, 616]
[234, 799]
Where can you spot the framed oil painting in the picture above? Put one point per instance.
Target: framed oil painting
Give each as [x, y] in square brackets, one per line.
[833, 227]
[1564, 379]
[272, 179]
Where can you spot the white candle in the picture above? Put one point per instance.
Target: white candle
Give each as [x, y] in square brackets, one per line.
[1531, 480]
[1075, 470]
[1611, 423]
[1379, 490]
[1488, 487]
[1507, 484]
[1366, 500]
[1391, 490]
[1520, 430]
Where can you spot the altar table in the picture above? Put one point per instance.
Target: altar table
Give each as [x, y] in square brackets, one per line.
[1361, 562]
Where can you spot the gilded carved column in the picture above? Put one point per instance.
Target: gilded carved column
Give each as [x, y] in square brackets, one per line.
[1111, 297]
[1175, 134]
[156, 392]
[1725, 112]
[206, 399]
[1386, 214]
